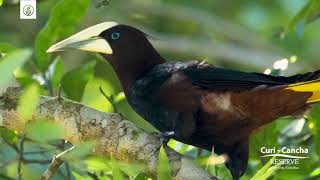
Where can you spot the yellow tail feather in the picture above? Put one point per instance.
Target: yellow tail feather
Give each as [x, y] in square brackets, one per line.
[308, 86]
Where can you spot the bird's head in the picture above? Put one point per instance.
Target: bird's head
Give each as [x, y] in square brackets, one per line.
[126, 48]
[114, 41]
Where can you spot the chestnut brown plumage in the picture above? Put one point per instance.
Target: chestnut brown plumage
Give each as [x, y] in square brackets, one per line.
[203, 105]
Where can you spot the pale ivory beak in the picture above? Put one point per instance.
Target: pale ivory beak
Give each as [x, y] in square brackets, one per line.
[87, 40]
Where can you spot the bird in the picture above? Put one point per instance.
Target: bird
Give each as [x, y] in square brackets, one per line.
[192, 101]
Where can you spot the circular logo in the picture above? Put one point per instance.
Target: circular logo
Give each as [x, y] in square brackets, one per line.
[28, 10]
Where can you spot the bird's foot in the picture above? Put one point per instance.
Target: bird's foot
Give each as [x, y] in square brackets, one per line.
[164, 138]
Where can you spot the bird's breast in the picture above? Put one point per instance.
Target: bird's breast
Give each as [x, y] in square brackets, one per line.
[219, 101]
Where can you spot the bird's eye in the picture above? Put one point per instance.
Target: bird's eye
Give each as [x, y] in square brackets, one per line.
[115, 35]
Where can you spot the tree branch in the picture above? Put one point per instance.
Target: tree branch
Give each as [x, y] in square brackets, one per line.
[115, 136]
[55, 164]
[6, 163]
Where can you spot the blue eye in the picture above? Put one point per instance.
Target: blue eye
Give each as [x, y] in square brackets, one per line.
[115, 35]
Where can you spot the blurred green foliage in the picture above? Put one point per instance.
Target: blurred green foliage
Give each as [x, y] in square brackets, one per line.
[163, 168]
[38, 131]
[266, 171]
[58, 26]
[28, 102]
[246, 35]
[309, 13]
[12, 62]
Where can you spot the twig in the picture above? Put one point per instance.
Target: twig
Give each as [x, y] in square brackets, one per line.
[13, 146]
[36, 161]
[20, 157]
[66, 165]
[110, 100]
[313, 18]
[27, 161]
[37, 152]
[4, 164]
[93, 175]
[55, 164]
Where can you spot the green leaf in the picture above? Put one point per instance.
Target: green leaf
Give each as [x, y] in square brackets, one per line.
[315, 172]
[104, 70]
[56, 72]
[6, 48]
[96, 164]
[11, 62]
[1, 2]
[266, 171]
[63, 19]
[270, 171]
[314, 125]
[74, 82]
[116, 173]
[119, 97]
[140, 176]
[28, 102]
[8, 135]
[44, 131]
[78, 176]
[24, 78]
[92, 96]
[131, 169]
[163, 167]
[306, 15]
[266, 136]
[80, 151]
[125, 109]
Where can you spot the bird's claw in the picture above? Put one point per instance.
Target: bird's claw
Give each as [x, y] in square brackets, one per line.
[164, 138]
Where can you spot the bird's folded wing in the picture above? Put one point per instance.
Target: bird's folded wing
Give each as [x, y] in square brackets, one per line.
[225, 79]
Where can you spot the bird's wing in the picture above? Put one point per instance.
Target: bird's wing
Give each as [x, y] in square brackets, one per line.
[217, 78]
[221, 98]
[222, 107]
[190, 83]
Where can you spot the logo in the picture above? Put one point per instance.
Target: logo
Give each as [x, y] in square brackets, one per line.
[288, 158]
[28, 9]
